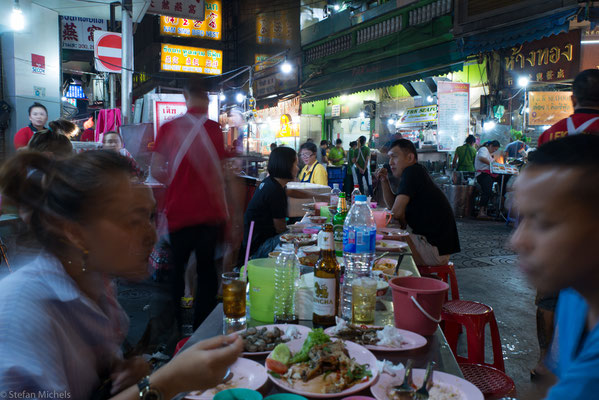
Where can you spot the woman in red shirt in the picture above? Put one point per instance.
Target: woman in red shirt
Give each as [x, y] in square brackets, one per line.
[38, 115]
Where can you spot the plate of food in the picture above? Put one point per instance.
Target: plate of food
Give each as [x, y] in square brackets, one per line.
[393, 233]
[445, 386]
[261, 340]
[319, 367]
[390, 245]
[377, 338]
[385, 269]
[301, 238]
[245, 374]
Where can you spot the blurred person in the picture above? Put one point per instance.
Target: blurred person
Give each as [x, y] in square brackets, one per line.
[60, 321]
[313, 171]
[337, 154]
[309, 140]
[51, 142]
[64, 127]
[88, 134]
[557, 196]
[322, 153]
[188, 157]
[516, 149]
[113, 141]
[349, 177]
[38, 117]
[420, 205]
[465, 155]
[482, 165]
[361, 167]
[273, 146]
[585, 100]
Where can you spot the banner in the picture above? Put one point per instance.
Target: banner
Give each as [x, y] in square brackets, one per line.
[165, 111]
[77, 33]
[419, 115]
[546, 108]
[209, 28]
[454, 114]
[190, 9]
[191, 59]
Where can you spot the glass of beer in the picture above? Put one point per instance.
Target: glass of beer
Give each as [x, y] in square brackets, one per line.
[234, 294]
[363, 300]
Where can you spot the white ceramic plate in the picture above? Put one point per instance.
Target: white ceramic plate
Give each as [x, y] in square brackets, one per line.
[442, 381]
[247, 374]
[391, 245]
[303, 330]
[411, 341]
[359, 353]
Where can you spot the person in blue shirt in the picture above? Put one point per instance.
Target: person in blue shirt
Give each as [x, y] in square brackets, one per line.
[557, 195]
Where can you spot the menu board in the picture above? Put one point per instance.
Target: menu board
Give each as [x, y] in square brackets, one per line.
[191, 59]
[454, 114]
[546, 108]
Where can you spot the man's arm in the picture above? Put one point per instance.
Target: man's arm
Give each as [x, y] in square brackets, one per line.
[399, 209]
[388, 195]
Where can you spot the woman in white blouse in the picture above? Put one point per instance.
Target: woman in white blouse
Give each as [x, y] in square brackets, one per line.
[60, 323]
[482, 164]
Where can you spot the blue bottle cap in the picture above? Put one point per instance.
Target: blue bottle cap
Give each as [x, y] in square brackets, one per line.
[361, 197]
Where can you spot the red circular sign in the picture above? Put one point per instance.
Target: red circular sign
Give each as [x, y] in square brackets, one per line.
[109, 50]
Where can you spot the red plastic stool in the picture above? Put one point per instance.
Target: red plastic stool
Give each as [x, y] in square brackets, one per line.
[473, 316]
[446, 273]
[492, 382]
[180, 344]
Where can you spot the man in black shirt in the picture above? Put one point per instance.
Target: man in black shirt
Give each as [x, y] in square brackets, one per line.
[421, 205]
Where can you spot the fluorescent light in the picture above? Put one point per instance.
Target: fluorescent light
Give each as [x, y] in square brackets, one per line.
[489, 126]
[240, 97]
[286, 67]
[336, 7]
[589, 42]
[17, 20]
[523, 81]
[362, 115]
[222, 97]
[430, 99]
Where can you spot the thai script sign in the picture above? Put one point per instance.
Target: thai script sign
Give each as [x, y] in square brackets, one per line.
[191, 59]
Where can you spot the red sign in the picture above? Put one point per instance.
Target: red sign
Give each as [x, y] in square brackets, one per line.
[108, 51]
[38, 64]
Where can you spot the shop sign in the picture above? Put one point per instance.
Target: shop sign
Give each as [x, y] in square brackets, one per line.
[77, 33]
[38, 64]
[165, 111]
[274, 28]
[546, 108]
[552, 59]
[209, 28]
[454, 114]
[286, 127]
[418, 115]
[191, 9]
[266, 86]
[261, 63]
[336, 110]
[191, 59]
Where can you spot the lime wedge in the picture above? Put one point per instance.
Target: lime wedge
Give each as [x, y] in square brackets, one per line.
[281, 353]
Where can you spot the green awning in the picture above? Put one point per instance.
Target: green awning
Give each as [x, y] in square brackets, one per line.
[413, 66]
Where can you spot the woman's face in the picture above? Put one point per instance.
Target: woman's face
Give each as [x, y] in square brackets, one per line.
[121, 235]
[112, 142]
[38, 117]
[308, 157]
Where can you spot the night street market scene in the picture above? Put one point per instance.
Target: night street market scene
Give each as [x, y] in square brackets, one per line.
[299, 199]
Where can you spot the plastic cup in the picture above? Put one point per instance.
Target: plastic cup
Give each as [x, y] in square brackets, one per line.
[234, 294]
[363, 300]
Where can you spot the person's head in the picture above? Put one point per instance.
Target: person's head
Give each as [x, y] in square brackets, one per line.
[50, 142]
[470, 140]
[112, 141]
[196, 93]
[324, 144]
[38, 115]
[64, 127]
[282, 163]
[273, 146]
[402, 154]
[309, 140]
[308, 153]
[585, 89]
[492, 146]
[339, 143]
[88, 210]
[362, 141]
[353, 144]
[557, 196]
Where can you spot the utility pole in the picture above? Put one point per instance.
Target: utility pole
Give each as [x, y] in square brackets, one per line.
[127, 66]
[112, 77]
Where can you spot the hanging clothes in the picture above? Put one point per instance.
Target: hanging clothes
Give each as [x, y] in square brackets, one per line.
[108, 120]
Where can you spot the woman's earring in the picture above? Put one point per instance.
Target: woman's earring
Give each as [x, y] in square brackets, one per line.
[84, 261]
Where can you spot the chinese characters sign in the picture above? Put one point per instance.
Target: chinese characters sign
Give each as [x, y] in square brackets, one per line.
[78, 33]
[191, 59]
[552, 59]
[209, 28]
[546, 108]
[191, 9]
[454, 114]
[274, 28]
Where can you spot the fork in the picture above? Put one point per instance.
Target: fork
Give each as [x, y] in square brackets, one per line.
[405, 390]
[422, 393]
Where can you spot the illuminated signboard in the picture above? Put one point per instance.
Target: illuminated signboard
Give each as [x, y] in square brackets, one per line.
[274, 28]
[191, 59]
[210, 28]
[260, 60]
[75, 92]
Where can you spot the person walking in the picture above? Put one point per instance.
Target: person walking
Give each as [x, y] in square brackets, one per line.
[463, 159]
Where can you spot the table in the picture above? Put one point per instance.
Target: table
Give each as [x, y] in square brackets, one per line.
[436, 350]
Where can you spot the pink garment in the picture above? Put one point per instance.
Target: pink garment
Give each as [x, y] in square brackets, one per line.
[108, 120]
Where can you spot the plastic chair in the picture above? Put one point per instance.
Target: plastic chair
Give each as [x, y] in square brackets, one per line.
[180, 344]
[492, 382]
[474, 317]
[446, 273]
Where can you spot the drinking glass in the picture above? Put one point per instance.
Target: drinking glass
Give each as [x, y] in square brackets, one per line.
[234, 295]
[363, 300]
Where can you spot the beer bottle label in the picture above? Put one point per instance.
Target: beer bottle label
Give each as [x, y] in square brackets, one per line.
[325, 240]
[325, 294]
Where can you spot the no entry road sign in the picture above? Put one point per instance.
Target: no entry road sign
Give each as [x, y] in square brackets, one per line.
[108, 51]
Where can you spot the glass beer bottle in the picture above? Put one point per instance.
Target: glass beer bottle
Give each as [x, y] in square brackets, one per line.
[326, 281]
[338, 221]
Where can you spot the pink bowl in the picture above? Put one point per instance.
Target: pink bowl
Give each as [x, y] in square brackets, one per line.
[358, 398]
[312, 231]
[378, 237]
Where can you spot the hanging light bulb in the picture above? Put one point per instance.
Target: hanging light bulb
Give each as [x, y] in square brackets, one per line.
[286, 67]
[17, 20]
[222, 96]
[240, 97]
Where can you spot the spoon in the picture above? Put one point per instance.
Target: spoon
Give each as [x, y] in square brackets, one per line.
[405, 390]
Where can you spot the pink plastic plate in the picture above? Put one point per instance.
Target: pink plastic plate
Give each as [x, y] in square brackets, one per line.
[411, 341]
[359, 353]
[391, 245]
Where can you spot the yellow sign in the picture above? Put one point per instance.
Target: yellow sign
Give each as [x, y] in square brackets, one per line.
[288, 129]
[546, 108]
[210, 28]
[274, 28]
[191, 59]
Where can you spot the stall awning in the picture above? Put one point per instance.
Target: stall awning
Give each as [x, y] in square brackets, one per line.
[413, 66]
[517, 34]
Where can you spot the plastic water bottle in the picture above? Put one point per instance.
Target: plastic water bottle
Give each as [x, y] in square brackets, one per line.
[359, 241]
[356, 192]
[287, 277]
[335, 195]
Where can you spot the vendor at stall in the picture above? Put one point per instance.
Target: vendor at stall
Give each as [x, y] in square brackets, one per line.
[38, 116]
[313, 171]
[485, 178]
[337, 154]
[463, 159]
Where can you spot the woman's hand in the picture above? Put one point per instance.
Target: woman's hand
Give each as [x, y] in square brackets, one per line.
[128, 372]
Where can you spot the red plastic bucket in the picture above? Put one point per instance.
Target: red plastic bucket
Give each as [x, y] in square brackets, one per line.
[417, 303]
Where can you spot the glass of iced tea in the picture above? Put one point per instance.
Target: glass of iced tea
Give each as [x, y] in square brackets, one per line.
[363, 300]
[234, 294]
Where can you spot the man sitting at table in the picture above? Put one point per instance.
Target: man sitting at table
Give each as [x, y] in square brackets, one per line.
[556, 240]
[421, 205]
